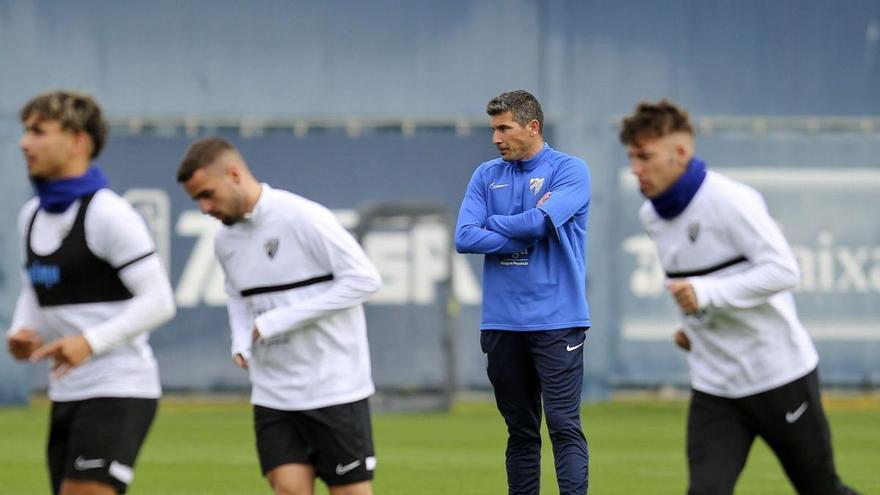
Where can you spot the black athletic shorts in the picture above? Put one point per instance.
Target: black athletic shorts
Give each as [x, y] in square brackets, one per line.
[98, 439]
[789, 418]
[336, 440]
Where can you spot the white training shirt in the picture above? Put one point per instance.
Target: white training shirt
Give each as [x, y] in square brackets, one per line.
[278, 261]
[122, 363]
[747, 338]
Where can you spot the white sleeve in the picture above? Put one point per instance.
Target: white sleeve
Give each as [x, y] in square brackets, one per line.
[152, 305]
[27, 312]
[239, 323]
[757, 236]
[240, 320]
[116, 233]
[355, 278]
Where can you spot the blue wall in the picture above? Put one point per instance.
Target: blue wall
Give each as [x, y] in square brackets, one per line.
[586, 59]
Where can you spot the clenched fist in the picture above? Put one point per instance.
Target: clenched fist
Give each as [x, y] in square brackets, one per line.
[23, 343]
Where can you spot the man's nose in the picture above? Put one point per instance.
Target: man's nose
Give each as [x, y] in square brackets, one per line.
[636, 167]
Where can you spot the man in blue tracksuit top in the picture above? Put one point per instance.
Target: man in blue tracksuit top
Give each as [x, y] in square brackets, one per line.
[527, 213]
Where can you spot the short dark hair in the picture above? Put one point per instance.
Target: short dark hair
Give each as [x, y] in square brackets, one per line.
[201, 154]
[655, 120]
[522, 104]
[76, 112]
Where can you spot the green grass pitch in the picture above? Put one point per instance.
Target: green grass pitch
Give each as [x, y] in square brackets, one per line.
[636, 447]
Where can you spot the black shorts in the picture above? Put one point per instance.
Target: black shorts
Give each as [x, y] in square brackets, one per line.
[336, 440]
[98, 439]
[789, 418]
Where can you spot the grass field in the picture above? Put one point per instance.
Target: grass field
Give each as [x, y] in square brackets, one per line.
[636, 447]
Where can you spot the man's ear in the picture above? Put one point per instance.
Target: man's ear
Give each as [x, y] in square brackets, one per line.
[682, 149]
[234, 172]
[82, 143]
[681, 152]
[534, 127]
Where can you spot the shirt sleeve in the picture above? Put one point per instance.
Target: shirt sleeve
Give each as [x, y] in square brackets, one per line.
[151, 305]
[27, 311]
[757, 236]
[118, 234]
[241, 324]
[241, 330]
[568, 194]
[355, 278]
[528, 226]
[471, 234]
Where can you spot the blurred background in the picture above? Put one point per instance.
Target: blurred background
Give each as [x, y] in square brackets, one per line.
[376, 109]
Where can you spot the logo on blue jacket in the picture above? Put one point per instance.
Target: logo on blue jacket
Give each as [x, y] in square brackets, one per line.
[535, 184]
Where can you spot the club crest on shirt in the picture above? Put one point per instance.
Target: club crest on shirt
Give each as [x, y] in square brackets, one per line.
[693, 231]
[535, 184]
[271, 247]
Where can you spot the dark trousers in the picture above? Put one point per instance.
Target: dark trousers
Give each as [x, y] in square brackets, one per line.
[524, 368]
[789, 418]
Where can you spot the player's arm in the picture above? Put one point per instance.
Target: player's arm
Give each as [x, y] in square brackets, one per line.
[569, 192]
[23, 337]
[240, 320]
[122, 238]
[528, 226]
[151, 305]
[758, 237]
[239, 327]
[355, 278]
[471, 234]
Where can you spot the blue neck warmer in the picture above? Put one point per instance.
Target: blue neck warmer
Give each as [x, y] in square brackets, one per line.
[57, 195]
[674, 200]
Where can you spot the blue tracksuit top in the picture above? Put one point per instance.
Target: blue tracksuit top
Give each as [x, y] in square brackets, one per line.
[534, 270]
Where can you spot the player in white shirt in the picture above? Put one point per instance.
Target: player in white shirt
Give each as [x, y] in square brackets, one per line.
[297, 282]
[731, 272]
[93, 287]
